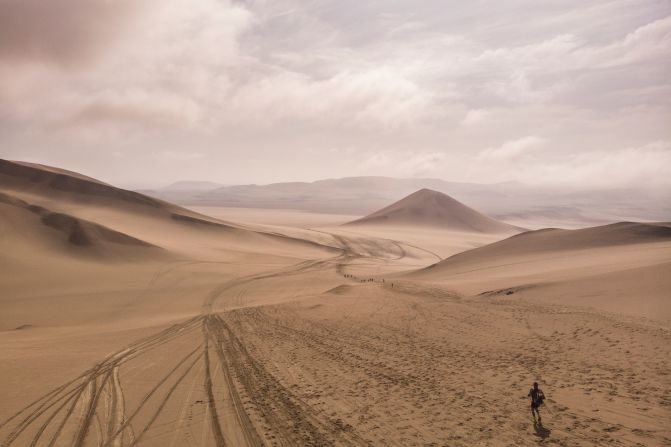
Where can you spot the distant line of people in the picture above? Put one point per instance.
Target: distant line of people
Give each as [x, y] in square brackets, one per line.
[355, 278]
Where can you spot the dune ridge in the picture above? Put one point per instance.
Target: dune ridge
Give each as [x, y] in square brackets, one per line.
[92, 212]
[38, 179]
[615, 268]
[75, 231]
[558, 240]
[59, 186]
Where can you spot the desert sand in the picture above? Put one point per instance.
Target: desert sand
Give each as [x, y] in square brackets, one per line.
[126, 320]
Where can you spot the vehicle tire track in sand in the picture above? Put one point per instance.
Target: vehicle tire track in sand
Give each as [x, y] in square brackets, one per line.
[148, 396]
[45, 401]
[118, 409]
[90, 410]
[212, 407]
[46, 423]
[69, 413]
[75, 393]
[85, 390]
[291, 421]
[165, 400]
[245, 423]
[28, 420]
[186, 406]
[65, 393]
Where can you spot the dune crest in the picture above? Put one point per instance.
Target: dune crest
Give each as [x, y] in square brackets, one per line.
[38, 223]
[38, 179]
[616, 267]
[558, 240]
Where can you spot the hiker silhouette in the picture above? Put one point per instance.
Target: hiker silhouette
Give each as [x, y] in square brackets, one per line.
[537, 398]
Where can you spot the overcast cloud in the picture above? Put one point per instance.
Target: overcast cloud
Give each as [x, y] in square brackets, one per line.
[145, 92]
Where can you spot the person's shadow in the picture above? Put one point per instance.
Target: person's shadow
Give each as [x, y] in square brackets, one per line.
[541, 431]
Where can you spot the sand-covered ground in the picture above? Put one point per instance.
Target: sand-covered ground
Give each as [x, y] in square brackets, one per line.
[302, 355]
[206, 333]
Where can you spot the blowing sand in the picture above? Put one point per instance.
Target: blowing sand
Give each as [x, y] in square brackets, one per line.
[209, 333]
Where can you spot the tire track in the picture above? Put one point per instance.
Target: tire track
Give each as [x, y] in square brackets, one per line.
[148, 396]
[186, 407]
[325, 346]
[293, 421]
[69, 413]
[63, 394]
[32, 417]
[249, 432]
[211, 405]
[165, 400]
[118, 410]
[85, 425]
[46, 423]
[103, 379]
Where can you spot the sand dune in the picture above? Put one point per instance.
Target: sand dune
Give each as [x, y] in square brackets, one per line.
[156, 222]
[65, 185]
[48, 184]
[427, 208]
[13, 168]
[557, 240]
[253, 334]
[584, 267]
[29, 230]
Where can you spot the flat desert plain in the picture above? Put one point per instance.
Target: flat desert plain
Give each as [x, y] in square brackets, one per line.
[129, 321]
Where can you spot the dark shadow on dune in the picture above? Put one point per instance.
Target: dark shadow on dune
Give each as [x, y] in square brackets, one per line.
[541, 431]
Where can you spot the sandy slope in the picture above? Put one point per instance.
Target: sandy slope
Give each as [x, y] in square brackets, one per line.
[427, 208]
[308, 354]
[620, 267]
[25, 225]
[278, 217]
[243, 334]
[181, 232]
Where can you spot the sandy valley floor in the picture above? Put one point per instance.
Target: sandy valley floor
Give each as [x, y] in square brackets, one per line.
[297, 336]
[301, 355]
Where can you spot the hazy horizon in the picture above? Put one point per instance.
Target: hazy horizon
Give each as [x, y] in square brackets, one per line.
[145, 93]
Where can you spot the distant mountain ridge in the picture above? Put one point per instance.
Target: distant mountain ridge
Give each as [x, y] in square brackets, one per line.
[509, 201]
[192, 185]
[349, 195]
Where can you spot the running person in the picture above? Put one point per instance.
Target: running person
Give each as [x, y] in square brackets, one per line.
[537, 398]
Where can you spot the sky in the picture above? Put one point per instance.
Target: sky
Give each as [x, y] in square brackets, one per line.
[141, 93]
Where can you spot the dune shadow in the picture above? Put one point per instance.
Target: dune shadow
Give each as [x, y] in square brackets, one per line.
[541, 431]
